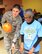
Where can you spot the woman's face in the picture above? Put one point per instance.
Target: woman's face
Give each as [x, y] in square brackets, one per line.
[28, 19]
[15, 12]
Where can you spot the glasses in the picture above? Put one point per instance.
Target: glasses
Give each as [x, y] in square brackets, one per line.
[28, 17]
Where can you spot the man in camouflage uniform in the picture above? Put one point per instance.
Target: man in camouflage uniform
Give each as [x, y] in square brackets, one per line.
[16, 21]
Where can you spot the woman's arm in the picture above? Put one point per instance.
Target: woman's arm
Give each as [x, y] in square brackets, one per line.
[37, 42]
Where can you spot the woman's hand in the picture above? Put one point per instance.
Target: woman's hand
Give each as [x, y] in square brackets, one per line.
[31, 51]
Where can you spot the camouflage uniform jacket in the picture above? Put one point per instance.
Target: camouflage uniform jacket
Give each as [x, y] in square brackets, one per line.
[16, 24]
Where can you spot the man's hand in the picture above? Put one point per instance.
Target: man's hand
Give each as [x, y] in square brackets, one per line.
[13, 48]
[31, 51]
[21, 47]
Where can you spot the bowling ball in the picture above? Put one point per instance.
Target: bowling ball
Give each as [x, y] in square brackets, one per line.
[7, 27]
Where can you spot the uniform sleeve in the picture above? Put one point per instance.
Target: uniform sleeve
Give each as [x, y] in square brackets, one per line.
[17, 32]
[22, 30]
[22, 33]
[4, 18]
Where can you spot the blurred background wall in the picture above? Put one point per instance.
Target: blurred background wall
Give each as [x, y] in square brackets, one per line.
[34, 4]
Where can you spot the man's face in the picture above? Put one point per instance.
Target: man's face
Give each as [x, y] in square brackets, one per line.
[15, 12]
[28, 19]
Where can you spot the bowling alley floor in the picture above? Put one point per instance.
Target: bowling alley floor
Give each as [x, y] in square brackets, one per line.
[3, 51]
[2, 48]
